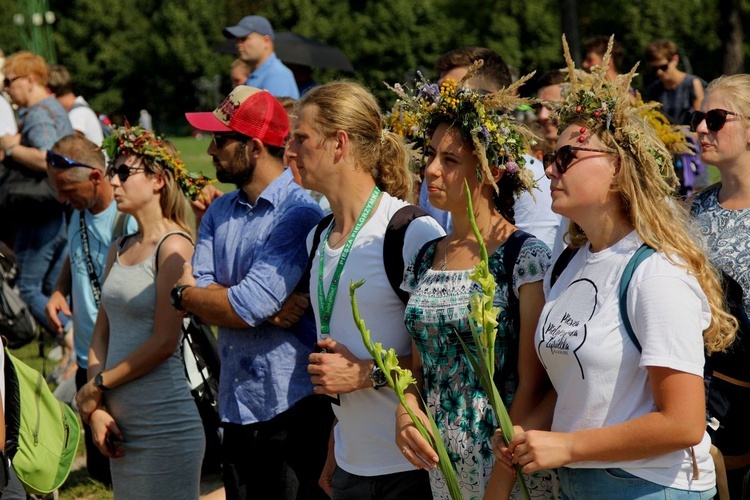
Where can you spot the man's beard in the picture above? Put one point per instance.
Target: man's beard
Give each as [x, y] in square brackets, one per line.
[240, 170]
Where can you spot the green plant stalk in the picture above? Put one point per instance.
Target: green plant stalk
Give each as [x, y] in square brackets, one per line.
[483, 323]
[399, 379]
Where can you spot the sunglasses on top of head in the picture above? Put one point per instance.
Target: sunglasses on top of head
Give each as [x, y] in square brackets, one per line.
[563, 157]
[715, 119]
[221, 138]
[60, 161]
[123, 172]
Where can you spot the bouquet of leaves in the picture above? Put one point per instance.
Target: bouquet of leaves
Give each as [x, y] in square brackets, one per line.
[483, 323]
[399, 379]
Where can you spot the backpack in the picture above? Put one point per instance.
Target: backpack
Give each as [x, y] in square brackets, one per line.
[104, 121]
[638, 257]
[17, 324]
[393, 249]
[200, 357]
[42, 433]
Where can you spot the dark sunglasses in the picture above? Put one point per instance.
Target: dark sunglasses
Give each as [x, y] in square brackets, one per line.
[221, 139]
[8, 81]
[715, 119]
[563, 157]
[60, 161]
[123, 172]
[663, 67]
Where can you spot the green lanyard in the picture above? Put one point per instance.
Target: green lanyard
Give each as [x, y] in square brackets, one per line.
[325, 301]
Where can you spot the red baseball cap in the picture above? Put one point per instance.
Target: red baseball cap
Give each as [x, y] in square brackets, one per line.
[248, 111]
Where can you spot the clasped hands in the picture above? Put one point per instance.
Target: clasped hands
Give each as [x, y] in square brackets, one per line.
[103, 427]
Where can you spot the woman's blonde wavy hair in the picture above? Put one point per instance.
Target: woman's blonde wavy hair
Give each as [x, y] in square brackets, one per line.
[645, 183]
[174, 205]
[350, 107]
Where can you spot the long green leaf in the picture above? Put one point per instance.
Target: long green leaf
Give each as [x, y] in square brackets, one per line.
[482, 312]
[388, 362]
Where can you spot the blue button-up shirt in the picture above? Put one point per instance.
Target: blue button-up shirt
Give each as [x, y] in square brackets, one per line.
[274, 77]
[259, 253]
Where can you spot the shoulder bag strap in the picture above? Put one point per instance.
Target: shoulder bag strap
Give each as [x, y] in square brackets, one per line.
[158, 246]
[393, 247]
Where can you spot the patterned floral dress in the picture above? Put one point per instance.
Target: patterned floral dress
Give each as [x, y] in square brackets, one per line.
[437, 314]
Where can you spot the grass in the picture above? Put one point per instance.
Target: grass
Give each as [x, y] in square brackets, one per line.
[193, 153]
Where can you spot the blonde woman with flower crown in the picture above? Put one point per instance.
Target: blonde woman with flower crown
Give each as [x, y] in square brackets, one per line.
[137, 400]
[471, 141]
[628, 420]
[722, 216]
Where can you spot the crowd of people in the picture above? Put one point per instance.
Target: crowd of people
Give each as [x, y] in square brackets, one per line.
[618, 281]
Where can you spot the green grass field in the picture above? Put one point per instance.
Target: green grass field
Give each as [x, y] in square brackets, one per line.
[193, 154]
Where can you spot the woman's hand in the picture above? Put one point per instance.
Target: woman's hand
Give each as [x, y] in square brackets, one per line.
[88, 399]
[105, 432]
[536, 450]
[415, 448]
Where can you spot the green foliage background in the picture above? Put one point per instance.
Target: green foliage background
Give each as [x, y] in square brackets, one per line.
[125, 55]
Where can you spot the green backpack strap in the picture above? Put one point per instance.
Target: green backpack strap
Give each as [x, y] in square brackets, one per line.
[639, 256]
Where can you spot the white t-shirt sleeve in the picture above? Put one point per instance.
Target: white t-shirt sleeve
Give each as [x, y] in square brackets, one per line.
[85, 121]
[7, 118]
[668, 312]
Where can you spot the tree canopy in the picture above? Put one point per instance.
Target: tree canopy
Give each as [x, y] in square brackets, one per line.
[161, 54]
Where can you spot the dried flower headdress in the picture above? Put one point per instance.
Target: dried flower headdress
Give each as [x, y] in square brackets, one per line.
[673, 136]
[141, 142]
[606, 107]
[497, 138]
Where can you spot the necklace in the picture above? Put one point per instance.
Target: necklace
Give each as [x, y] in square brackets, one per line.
[446, 260]
[343, 235]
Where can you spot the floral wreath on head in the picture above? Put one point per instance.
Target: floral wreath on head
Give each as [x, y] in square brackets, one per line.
[497, 138]
[605, 106]
[138, 141]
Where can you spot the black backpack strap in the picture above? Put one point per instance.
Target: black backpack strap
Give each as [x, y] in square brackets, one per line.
[561, 263]
[420, 257]
[303, 286]
[643, 253]
[12, 406]
[393, 247]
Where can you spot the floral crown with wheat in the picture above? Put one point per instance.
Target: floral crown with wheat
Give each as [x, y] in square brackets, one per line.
[483, 118]
[141, 142]
[606, 107]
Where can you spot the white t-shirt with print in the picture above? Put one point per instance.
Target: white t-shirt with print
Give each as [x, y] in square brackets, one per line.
[599, 374]
[364, 434]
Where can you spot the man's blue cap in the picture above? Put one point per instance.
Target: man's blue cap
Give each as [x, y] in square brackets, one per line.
[247, 25]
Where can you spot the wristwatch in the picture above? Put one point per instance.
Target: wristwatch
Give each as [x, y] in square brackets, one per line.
[378, 377]
[9, 151]
[175, 296]
[99, 382]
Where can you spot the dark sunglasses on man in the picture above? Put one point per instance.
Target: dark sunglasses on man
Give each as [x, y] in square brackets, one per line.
[60, 161]
[221, 139]
[663, 67]
[563, 157]
[123, 172]
[715, 119]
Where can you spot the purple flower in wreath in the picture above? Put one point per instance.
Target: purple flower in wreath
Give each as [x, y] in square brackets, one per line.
[430, 90]
[511, 167]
